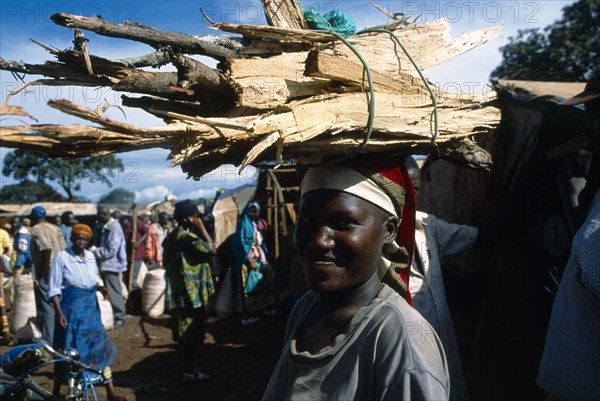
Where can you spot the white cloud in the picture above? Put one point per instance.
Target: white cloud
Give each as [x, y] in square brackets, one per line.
[94, 197]
[199, 193]
[152, 194]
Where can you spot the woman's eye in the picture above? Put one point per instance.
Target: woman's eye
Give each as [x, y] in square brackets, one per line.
[345, 223]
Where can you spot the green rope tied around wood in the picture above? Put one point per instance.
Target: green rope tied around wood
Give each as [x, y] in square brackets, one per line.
[431, 94]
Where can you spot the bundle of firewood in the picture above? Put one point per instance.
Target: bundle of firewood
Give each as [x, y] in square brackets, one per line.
[280, 94]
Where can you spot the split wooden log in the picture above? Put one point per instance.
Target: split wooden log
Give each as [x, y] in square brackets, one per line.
[205, 143]
[107, 74]
[156, 38]
[155, 59]
[193, 81]
[429, 43]
[460, 151]
[268, 83]
[76, 140]
[304, 103]
[284, 14]
[397, 116]
[6, 109]
[324, 64]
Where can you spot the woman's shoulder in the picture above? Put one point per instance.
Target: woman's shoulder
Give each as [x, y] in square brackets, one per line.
[406, 337]
[394, 313]
[64, 256]
[65, 253]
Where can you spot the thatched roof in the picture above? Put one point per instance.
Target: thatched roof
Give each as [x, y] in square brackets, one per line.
[564, 90]
[57, 208]
[52, 209]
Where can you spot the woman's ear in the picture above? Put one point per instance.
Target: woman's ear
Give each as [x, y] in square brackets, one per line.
[391, 229]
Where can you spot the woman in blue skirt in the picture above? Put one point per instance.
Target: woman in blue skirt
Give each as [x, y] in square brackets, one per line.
[73, 285]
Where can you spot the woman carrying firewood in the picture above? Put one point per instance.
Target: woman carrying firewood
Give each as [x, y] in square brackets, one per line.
[353, 336]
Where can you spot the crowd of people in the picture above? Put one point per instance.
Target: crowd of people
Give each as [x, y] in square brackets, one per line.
[70, 261]
[369, 318]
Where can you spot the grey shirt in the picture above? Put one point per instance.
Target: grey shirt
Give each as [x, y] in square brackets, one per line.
[436, 239]
[388, 352]
[112, 252]
[570, 366]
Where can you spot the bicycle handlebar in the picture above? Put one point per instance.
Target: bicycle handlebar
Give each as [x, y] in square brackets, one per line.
[59, 355]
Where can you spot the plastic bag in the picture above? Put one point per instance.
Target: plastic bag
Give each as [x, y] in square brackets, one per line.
[255, 283]
[336, 20]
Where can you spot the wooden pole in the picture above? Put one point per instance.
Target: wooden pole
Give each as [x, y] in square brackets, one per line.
[281, 203]
[276, 223]
[269, 203]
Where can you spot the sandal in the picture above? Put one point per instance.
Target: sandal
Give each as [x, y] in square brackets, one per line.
[195, 376]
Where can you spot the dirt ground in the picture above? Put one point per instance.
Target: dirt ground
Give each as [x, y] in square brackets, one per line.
[238, 358]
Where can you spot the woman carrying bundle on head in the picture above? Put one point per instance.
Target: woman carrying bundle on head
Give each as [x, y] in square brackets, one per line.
[352, 337]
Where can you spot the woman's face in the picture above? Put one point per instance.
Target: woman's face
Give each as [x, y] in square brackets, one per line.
[340, 238]
[253, 213]
[80, 241]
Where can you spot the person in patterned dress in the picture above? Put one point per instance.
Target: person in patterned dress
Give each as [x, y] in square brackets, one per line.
[187, 251]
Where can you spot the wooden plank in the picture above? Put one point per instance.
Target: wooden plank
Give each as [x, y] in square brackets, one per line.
[266, 83]
[284, 14]
[322, 64]
[276, 33]
[430, 44]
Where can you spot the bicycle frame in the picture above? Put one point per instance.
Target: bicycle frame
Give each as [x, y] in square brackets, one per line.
[79, 382]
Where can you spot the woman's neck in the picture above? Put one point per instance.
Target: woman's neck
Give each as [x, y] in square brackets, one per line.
[78, 251]
[354, 299]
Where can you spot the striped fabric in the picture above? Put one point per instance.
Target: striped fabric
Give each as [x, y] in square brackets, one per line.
[570, 366]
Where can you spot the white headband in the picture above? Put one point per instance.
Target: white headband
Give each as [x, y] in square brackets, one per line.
[346, 179]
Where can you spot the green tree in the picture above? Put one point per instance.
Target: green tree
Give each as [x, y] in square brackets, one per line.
[29, 192]
[67, 173]
[207, 202]
[566, 50]
[117, 195]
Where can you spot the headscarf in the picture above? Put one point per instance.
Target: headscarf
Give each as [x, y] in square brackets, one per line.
[185, 208]
[82, 229]
[243, 241]
[385, 183]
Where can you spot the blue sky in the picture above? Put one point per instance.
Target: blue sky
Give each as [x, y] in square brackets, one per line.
[147, 172]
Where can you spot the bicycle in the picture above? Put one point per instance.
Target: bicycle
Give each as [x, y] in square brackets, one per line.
[19, 364]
